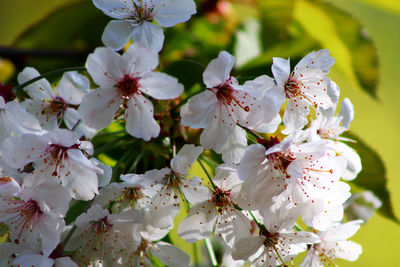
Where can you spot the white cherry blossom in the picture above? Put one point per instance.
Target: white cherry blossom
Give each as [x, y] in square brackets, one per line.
[362, 206]
[277, 172]
[219, 212]
[57, 155]
[307, 85]
[34, 216]
[51, 106]
[226, 104]
[125, 80]
[135, 19]
[329, 127]
[334, 245]
[278, 241]
[170, 184]
[105, 237]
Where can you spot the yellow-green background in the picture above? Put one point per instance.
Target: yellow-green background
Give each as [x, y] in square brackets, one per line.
[376, 122]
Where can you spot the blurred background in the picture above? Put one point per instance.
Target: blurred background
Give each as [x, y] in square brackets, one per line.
[362, 35]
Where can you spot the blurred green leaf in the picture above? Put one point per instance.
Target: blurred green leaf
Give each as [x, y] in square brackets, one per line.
[75, 210]
[373, 175]
[187, 71]
[364, 55]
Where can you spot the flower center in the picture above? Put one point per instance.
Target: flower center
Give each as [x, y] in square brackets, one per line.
[101, 226]
[226, 95]
[271, 239]
[273, 140]
[25, 215]
[128, 86]
[142, 13]
[221, 199]
[132, 195]
[172, 179]
[56, 106]
[7, 93]
[58, 154]
[292, 87]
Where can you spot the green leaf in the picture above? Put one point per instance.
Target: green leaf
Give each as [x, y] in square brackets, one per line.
[373, 175]
[76, 209]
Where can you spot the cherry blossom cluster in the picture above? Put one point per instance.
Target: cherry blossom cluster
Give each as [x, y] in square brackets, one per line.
[281, 188]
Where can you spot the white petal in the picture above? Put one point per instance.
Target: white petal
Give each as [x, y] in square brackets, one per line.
[139, 59]
[37, 90]
[98, 107]
[72, 87]
[164, 208]
[186, 156]
[352, 159]
[233, 150]
[117, 34]
[149, 35]
[104, 66]
[64, 262]
[253, 157]
[117, 9]
[295, 116]
[71, 117]
[170, 255]
[318, 62]
[194, 190]
[218, 70]
[28, 260]
[342, 231]
[19, 151]
[280, 70]
[346, 112]
[196, 112]
[160, 85]
[172, 12]
[22, 121]
[247, 247]
[139, 118]
[347, 250]
[199, 223]
[105, 177]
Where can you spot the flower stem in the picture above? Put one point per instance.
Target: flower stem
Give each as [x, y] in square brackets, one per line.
[256, 135]
[211, 252]
[208, 175]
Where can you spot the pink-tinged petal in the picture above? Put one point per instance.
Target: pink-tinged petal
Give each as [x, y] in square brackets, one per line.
[172, 12]
[81, 183]
[71, 117]
[73, 87]
[170, 255]
[117, 34]
[50, 232]
[139, 59]
[38, 109]
[196, 112]
[9, 187]
[218, 70]
[186, 156]
[105, 176]
[247, 247]
[199, 223]
[37, 90]
[346, 112]
[139, 118]
[62, 137]
[20, 121]
[281, 70]
[98, 107]
[150, 35]
[295, 116]
[75, 156]
[160, 85]
[233, 150]
[117, 9]
[104, 66]
[17, 151]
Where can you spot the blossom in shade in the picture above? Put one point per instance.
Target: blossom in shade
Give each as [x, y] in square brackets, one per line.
[219, 212]
[34, 215]
[135, 19]
[57, 155]
[103, 237]
[169, 184]
[306, 86]
[278, 241]
[50, 106]
[124, 81]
